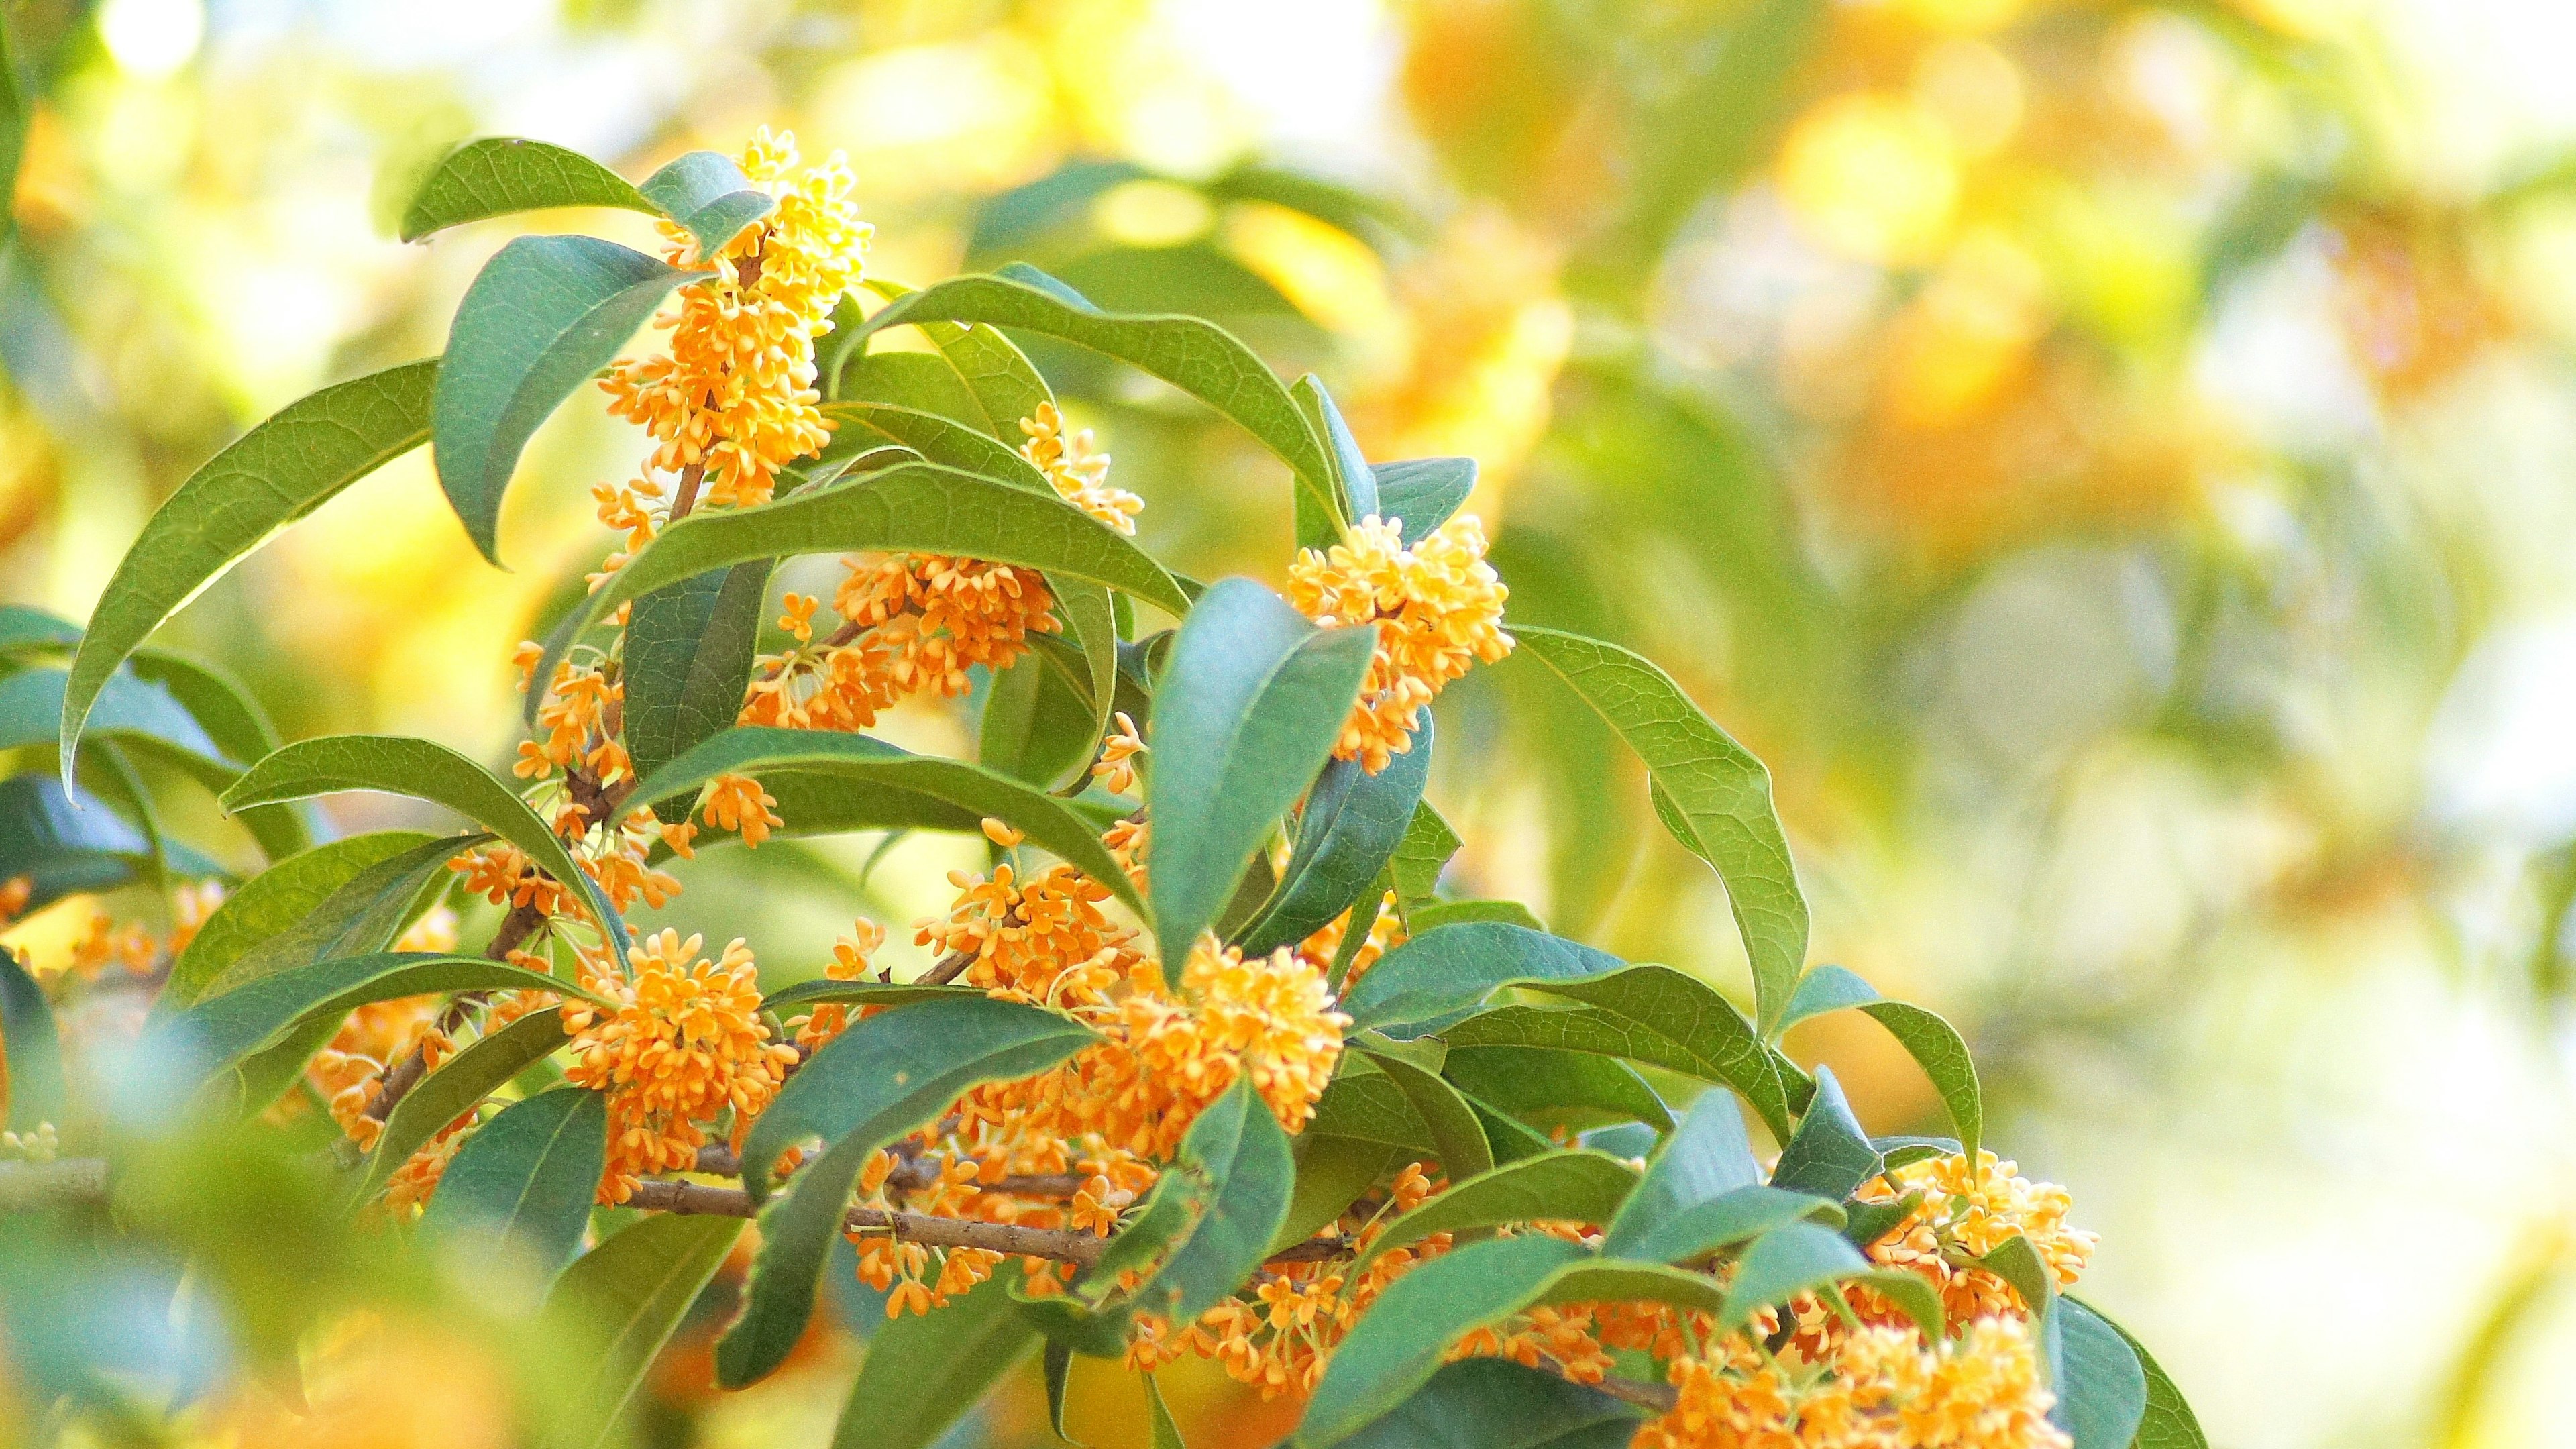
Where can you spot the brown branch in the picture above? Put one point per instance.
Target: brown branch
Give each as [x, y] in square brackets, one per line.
[687, 498]
[1658, 1397]
[719, 1161]
[402, 1076]
[931, 1232]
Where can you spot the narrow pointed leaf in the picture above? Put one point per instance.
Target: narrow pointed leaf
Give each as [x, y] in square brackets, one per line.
[528, 1176]
[1249, 705]
[937, 439]
[61, 850]
[1420, 858]
[1196, 356]
[1830, 1154]
[1431, 978]
[1423, 493]
[688, 662]
[705, 192]
[1577, 1089]
[1240, 1159]
[276, 473]
[1582, 1187]
[1728, 1219]
[756, 749]
[544, 314]
[424, 771]
[127, 709]
[459, 1083]
[241, 731]
[626, 1297]
[1352, 823]
[496, 175]
[1005, 387]
[273, 902]
[364, 915]
[1719, 794]
[924, 1373]
[1705, 1158]
[1165, 1431]
[1457, 1137]
[1332, 1173]
[1803, 1257]
[220, 1030]
[1935, 1045]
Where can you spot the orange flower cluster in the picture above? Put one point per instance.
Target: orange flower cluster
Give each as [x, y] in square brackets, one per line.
[14, 895]
[849, 963]
[685, 1042]
[1438, 607]
[1385, 934]
[1883, 1389]
[1970, 1208]
[1080, 476]
[349, 1071]
[735, 394]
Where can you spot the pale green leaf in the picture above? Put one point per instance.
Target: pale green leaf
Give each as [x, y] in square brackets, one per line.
[496, 175]
[707, 194]
[624, 1298]
[528, 1176]
[458, 1084]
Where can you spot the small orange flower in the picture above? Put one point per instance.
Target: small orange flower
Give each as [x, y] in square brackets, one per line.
[1438, 608]
[736, 802]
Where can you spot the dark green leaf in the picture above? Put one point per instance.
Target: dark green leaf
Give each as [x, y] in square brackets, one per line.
[938, 439]
[1246, 712]
[1365, 1105]
[1197, 357]
[758, 749]
[1576, 1089]
[1802, 1257]
[272, 902]
[1236, 1172]
[1705, 1158]
[1650, 1014]
[1036, 728]
[1830, 1155]
[705, 192]
[1422, 493]
[1350, 827]
[1332, 1173]
[220, 1030]
[688, 661]
[455, 1088]
[1058, 1366]
[544, 314]
[496, 175]
[364, 915]
[923, 1373]
[279, 471]
[424, 771]
[1457, 1137]
[2101, 1381]
[625, 1298]
[909, 508]
[1420, 857]
[528, 1176]
[1581, 1187]
[1935, 1045]
[1719, 793]
[31, 1053]
[61, 849]
[1731, 1218]
[867, 1087]
[1094, 613]
[2168, 1422]
[1426, 982]
[1492, 1403]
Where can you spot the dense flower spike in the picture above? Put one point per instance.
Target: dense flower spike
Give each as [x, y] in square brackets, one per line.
[1968, 1209]
[1883, 1389]
[685, 1044]
[735, 394]
[1438, 607]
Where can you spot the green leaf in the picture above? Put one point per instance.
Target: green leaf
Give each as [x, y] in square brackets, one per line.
[455, 1088]
[2101, 1381]
[1365, 1105]
[1426, 982]
[2168, 1422]
[1731, 1218]
[922, 381]
[687, 664]
[272, 902]
[31, 1052]
[127, 709]
[528, 1176]
[995, 373]
[220, 1030]
[1457, 1137]
[938, 439]
[1935, 1045]
[867, 1087]
[1246, 712]
[1240, 1172]
[1094, 613]
[496, 175]
[1166, 1433]
[1352, 484]
[1443, 913]
[1802, 1257]
[1332, 1173]
[240, 730]
[757, 749]
[33, 631]
[1650, 1014]
[626, 1297]
[1493, 1403]
[1830, 1155]
[1719, 793]
[1036, 728]
[1420, 857]
[1575, 1089]
[705, 192]
[1398, 1345]
[1350, 827]
[542, 316]
[923, 1373]
[1581, 1187]
[13, 131]
[424, 771]
[1423, 493]
[61, 849]
[909, 508]
[1705, 1158]
[276, 473]
[1197, 357]
[364, 915]
[862, 993]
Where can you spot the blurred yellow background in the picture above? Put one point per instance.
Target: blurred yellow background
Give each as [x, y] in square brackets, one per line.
[2113, 461]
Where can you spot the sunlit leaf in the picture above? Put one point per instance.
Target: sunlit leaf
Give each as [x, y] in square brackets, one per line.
[273, 902]
[937, 439]
[279, 471]
[363, 915]
[706, 193]
[1246, 712]
[1350, 826]
[995, 373]
[1582, 1187]
[1430, 979]
[542, 316]
[1719, 793]
[496, 175]
[528, 1176]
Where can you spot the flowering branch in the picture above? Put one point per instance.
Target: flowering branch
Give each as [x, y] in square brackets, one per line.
[402, 1076]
